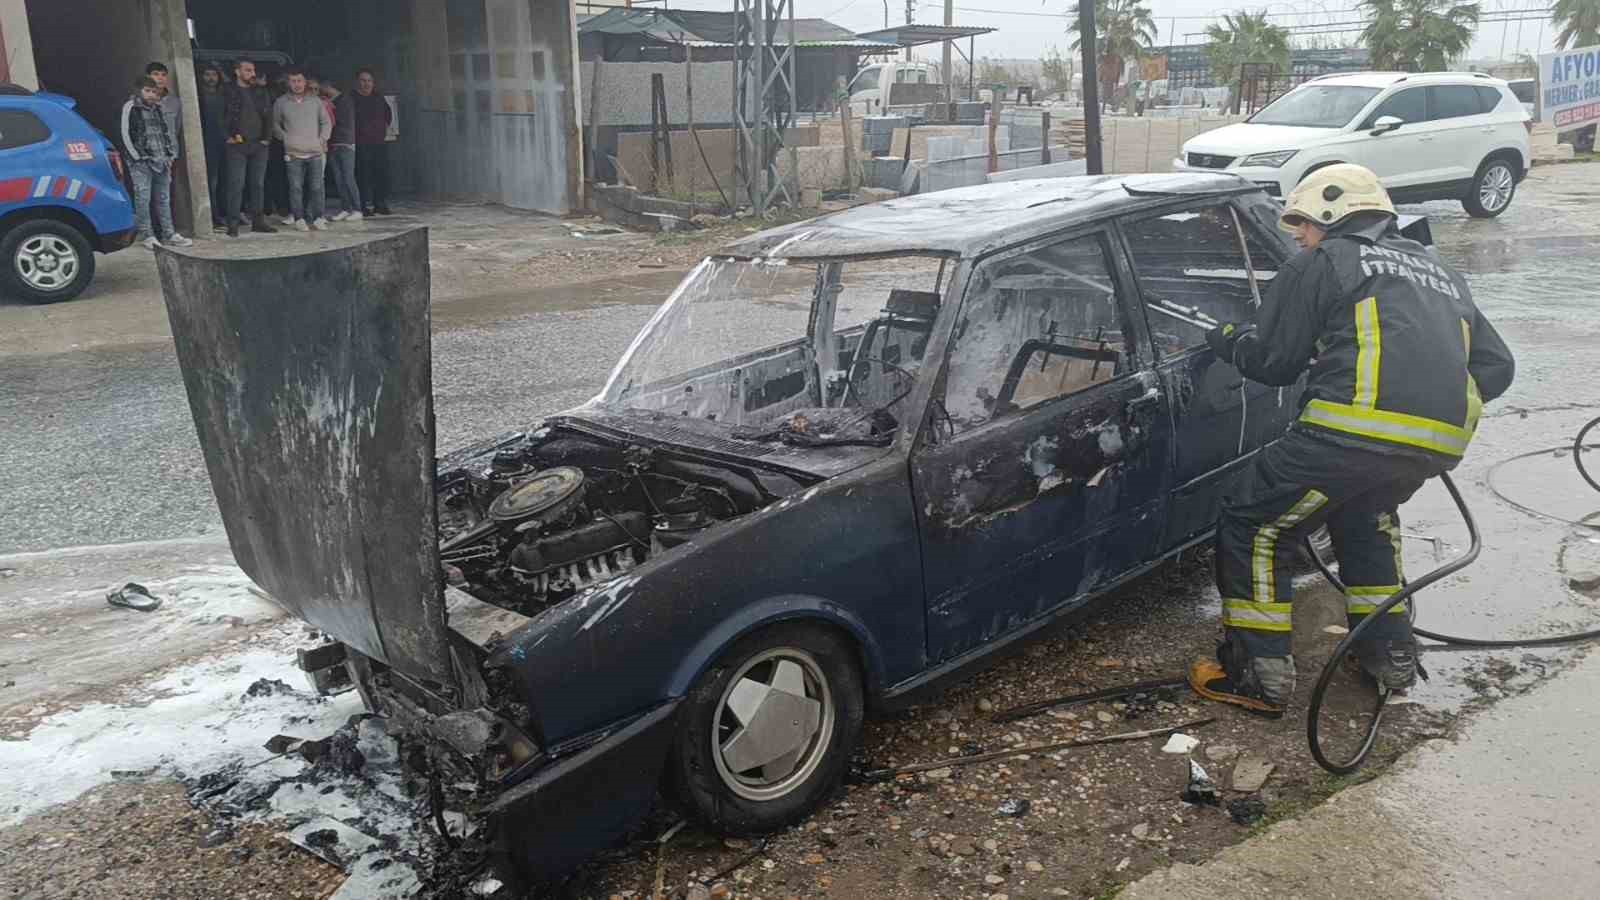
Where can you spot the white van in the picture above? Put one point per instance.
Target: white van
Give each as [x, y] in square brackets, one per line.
[869, 90]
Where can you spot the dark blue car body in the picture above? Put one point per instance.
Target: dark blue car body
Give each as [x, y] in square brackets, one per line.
[916, 556]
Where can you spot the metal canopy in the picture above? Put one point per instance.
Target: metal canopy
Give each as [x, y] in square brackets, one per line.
[918, 35]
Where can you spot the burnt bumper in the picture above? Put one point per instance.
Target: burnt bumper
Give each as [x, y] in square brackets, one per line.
[583, 802]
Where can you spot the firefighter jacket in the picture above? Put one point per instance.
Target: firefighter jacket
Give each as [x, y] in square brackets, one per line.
[1400, 359]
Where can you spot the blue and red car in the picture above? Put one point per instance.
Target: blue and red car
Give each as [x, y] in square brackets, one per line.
[62, 197]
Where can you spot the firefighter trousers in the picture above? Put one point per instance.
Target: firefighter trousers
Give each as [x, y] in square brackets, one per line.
[1296, 484]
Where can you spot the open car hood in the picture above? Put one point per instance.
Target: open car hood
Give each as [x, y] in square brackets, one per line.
[310, 381]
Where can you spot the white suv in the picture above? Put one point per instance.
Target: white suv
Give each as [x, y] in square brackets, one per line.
[1436, 136]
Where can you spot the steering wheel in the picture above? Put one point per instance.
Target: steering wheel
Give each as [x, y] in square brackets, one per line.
[850, 378]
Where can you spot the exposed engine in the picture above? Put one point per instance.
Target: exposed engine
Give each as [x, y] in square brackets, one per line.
[541, 518]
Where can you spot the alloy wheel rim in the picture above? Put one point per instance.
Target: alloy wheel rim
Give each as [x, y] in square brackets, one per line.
[46, 262]
[774, 723]
[1495, 192]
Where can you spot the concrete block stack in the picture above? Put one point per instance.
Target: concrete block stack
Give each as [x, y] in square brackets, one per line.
[883, 172]
[878, 132]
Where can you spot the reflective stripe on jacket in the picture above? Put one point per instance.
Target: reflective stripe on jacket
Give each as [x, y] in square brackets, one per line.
[1399, 355]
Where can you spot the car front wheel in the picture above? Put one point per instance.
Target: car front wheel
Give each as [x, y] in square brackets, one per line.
[1492, 189]
[767, 732]
[46, 261]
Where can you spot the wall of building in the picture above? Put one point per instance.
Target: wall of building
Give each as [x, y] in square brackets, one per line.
[16, 41]
[495, 116]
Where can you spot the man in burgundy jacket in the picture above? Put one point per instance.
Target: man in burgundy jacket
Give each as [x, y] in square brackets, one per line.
[372, 148]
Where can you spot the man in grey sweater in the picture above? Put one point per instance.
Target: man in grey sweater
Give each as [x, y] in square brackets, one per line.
[300, 120]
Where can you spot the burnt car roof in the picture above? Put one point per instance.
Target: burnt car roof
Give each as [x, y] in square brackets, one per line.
[971, 221]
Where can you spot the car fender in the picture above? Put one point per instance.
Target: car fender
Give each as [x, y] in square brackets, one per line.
[851, 558]
[1518, 157]
[772, 611]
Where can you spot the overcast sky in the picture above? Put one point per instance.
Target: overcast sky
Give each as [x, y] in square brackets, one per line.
[1028, 27]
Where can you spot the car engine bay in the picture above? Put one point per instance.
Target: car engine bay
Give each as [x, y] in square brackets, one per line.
[542, 517]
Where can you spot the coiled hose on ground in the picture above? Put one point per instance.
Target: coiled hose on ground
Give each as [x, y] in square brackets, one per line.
[1313, 735]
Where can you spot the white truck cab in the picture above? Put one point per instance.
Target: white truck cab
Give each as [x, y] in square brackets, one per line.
[870, 89]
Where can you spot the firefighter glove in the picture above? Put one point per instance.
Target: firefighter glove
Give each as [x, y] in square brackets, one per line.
[1222, 338]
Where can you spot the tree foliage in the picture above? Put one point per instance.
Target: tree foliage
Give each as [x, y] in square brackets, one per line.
[1418, 35]
[1578, 22]
[1056, 71]
[1124, 30]
[1245, 38]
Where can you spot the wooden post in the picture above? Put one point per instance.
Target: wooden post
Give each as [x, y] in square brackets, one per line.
[849, 150]
[594, 120]
[688, 89]
[994, 127]
[1044, 143]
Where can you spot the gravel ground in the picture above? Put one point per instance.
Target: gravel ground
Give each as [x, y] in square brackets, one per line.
[138, 841]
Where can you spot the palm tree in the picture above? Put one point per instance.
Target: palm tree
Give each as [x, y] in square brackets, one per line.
[1245, 38]
[1124, 30]
[1418, 35]
[1579, 21]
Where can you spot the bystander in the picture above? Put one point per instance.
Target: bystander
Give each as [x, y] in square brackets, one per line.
[301, 122]
[248, 123]
[151, 148]
[214, 130]
[372, 117]
[342, 152]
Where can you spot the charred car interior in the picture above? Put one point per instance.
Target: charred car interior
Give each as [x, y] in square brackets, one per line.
[845, 460]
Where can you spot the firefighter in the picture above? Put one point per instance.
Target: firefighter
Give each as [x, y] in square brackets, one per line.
[1399, 363]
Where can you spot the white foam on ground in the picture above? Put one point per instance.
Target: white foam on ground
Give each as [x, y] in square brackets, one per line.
[191, 720]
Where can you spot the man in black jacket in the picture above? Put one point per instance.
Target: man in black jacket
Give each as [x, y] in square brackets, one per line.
[213, 128]
[1400, 363]
[247, 120]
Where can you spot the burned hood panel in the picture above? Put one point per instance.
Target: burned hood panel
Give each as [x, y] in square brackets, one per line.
[309, 378]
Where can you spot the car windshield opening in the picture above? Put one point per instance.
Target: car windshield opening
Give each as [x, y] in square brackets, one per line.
[1316, 106]
[816, 353]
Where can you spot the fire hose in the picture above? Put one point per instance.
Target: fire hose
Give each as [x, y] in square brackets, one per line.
[1313, 735]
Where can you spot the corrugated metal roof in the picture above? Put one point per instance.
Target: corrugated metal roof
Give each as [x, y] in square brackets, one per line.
[707, 28]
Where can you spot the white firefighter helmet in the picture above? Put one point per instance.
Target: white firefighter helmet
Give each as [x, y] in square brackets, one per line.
[1328, 195]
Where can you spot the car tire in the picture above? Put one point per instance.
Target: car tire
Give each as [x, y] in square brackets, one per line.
[778, 679]
[45, 261]
[1492, 188]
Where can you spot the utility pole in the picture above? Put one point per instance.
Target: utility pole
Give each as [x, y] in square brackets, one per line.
[911, 11]
[944, 61]
[1091, 88]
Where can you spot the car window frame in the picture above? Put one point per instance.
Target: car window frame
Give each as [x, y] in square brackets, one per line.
[1433, 114]
[1246, 221]
[1139, 359]
[1369, 121]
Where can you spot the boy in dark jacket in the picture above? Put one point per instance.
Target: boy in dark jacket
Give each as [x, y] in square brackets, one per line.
[247, 120]
[151, 149]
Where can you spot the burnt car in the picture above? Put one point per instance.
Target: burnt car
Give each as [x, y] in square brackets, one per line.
[845, 459]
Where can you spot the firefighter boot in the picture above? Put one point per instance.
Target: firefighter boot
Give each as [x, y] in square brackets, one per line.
[1261, 684]
[1387, 652]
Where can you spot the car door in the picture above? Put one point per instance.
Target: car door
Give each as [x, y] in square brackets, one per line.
[1462, 130]
[1402, 157]
[1193, 259]
[1041, 473]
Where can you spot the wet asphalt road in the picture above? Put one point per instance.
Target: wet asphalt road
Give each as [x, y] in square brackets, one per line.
[99, 447]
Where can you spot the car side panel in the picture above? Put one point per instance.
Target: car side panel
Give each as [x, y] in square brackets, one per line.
[45, 174]
[844, 553]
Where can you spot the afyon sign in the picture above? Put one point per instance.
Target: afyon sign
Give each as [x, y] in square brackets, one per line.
[1569, 87]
